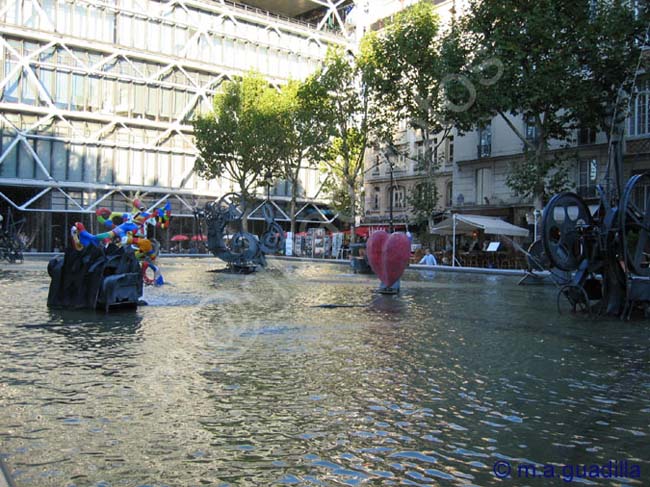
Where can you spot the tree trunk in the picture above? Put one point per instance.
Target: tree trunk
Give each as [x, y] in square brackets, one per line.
[292, 208]
[244, 221]
[540, 156]
[538, 195]
[428, 150]
[353, 212]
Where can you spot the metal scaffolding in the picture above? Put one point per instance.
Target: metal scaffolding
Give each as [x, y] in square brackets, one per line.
[96, 95]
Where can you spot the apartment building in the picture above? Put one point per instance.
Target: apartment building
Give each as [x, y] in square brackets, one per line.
[382, 167]
[474, 166]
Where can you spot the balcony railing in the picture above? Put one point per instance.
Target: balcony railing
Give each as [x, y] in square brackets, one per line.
[269, 15]
[637, 146]
[587, 191]
[484, 150]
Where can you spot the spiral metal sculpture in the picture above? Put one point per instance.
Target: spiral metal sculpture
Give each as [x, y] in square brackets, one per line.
[243, 252]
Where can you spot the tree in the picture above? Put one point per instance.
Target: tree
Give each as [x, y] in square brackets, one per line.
[612, 54]
[242, 138]
[407, 68]
[344, 183]
[544, 62]
[341, 102]
[305, 135]
[613, 40]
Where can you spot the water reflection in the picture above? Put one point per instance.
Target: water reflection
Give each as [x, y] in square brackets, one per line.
[240, 380]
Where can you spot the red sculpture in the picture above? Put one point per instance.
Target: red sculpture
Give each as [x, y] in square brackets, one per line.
[388, 255]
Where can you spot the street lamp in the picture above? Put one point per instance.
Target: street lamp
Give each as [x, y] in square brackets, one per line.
[390, 150]
[268, 181]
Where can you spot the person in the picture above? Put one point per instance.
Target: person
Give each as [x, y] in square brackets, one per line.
[428, 259]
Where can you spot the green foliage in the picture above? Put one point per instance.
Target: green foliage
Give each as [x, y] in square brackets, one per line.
[530, 177]
[409, 70]
[613, 38]
[305, 134]
[338, 191]
[559, 64]
[341, 104]
[424, 199]
[345, 176]
[401, 67]
[242, 137]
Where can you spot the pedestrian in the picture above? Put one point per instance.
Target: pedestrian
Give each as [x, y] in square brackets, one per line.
[428, 259]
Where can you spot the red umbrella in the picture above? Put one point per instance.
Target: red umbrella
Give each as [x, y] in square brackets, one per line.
[179, 238]
[202, 238]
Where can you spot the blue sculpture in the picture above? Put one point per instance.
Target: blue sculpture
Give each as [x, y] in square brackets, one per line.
[243, 252]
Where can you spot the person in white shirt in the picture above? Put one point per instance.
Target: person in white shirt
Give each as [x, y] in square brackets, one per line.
[428, 259]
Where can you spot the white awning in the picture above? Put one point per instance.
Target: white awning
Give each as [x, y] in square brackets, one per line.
[468, 223]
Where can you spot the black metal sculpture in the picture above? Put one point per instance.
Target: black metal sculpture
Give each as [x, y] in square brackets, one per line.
[243, 251]
[607, 250]
[95, 277]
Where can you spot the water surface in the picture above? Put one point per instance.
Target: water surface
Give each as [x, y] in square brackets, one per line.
[242, 381]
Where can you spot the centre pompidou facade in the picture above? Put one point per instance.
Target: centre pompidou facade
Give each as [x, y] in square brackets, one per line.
[96, 97]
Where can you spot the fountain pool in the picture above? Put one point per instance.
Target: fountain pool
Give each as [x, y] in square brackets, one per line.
[244, 381]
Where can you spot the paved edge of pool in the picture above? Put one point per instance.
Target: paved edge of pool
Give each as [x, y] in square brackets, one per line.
[417, 267]
[5, 477]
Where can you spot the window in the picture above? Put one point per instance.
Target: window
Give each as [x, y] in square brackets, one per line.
[483, 185]
[420, 153]
[78, 91]
[11, 89]
[637, 6]
[167, 38]
[449, 192]
[586, 136]
[450, 149]
[638, 121]
[29, 94]
[399, 197]
[62, 95]
[375, 199]
[641, 194]
[531, 128]
[400, 159]
[587, 178]
[445, 152]
[46, 77]
[435, 148]
[485, 141]
[375, 167]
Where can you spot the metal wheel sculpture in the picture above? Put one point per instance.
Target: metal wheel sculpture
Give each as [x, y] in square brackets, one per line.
[608, 252]
[11, 250]
[565, 225]
[536, 258]
[635, 225]
[576, 296]
[243, 251]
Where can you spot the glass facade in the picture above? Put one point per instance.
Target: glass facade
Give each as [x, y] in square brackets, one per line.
[96, 96]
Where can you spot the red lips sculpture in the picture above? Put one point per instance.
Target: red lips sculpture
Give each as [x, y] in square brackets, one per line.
[388, 255]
